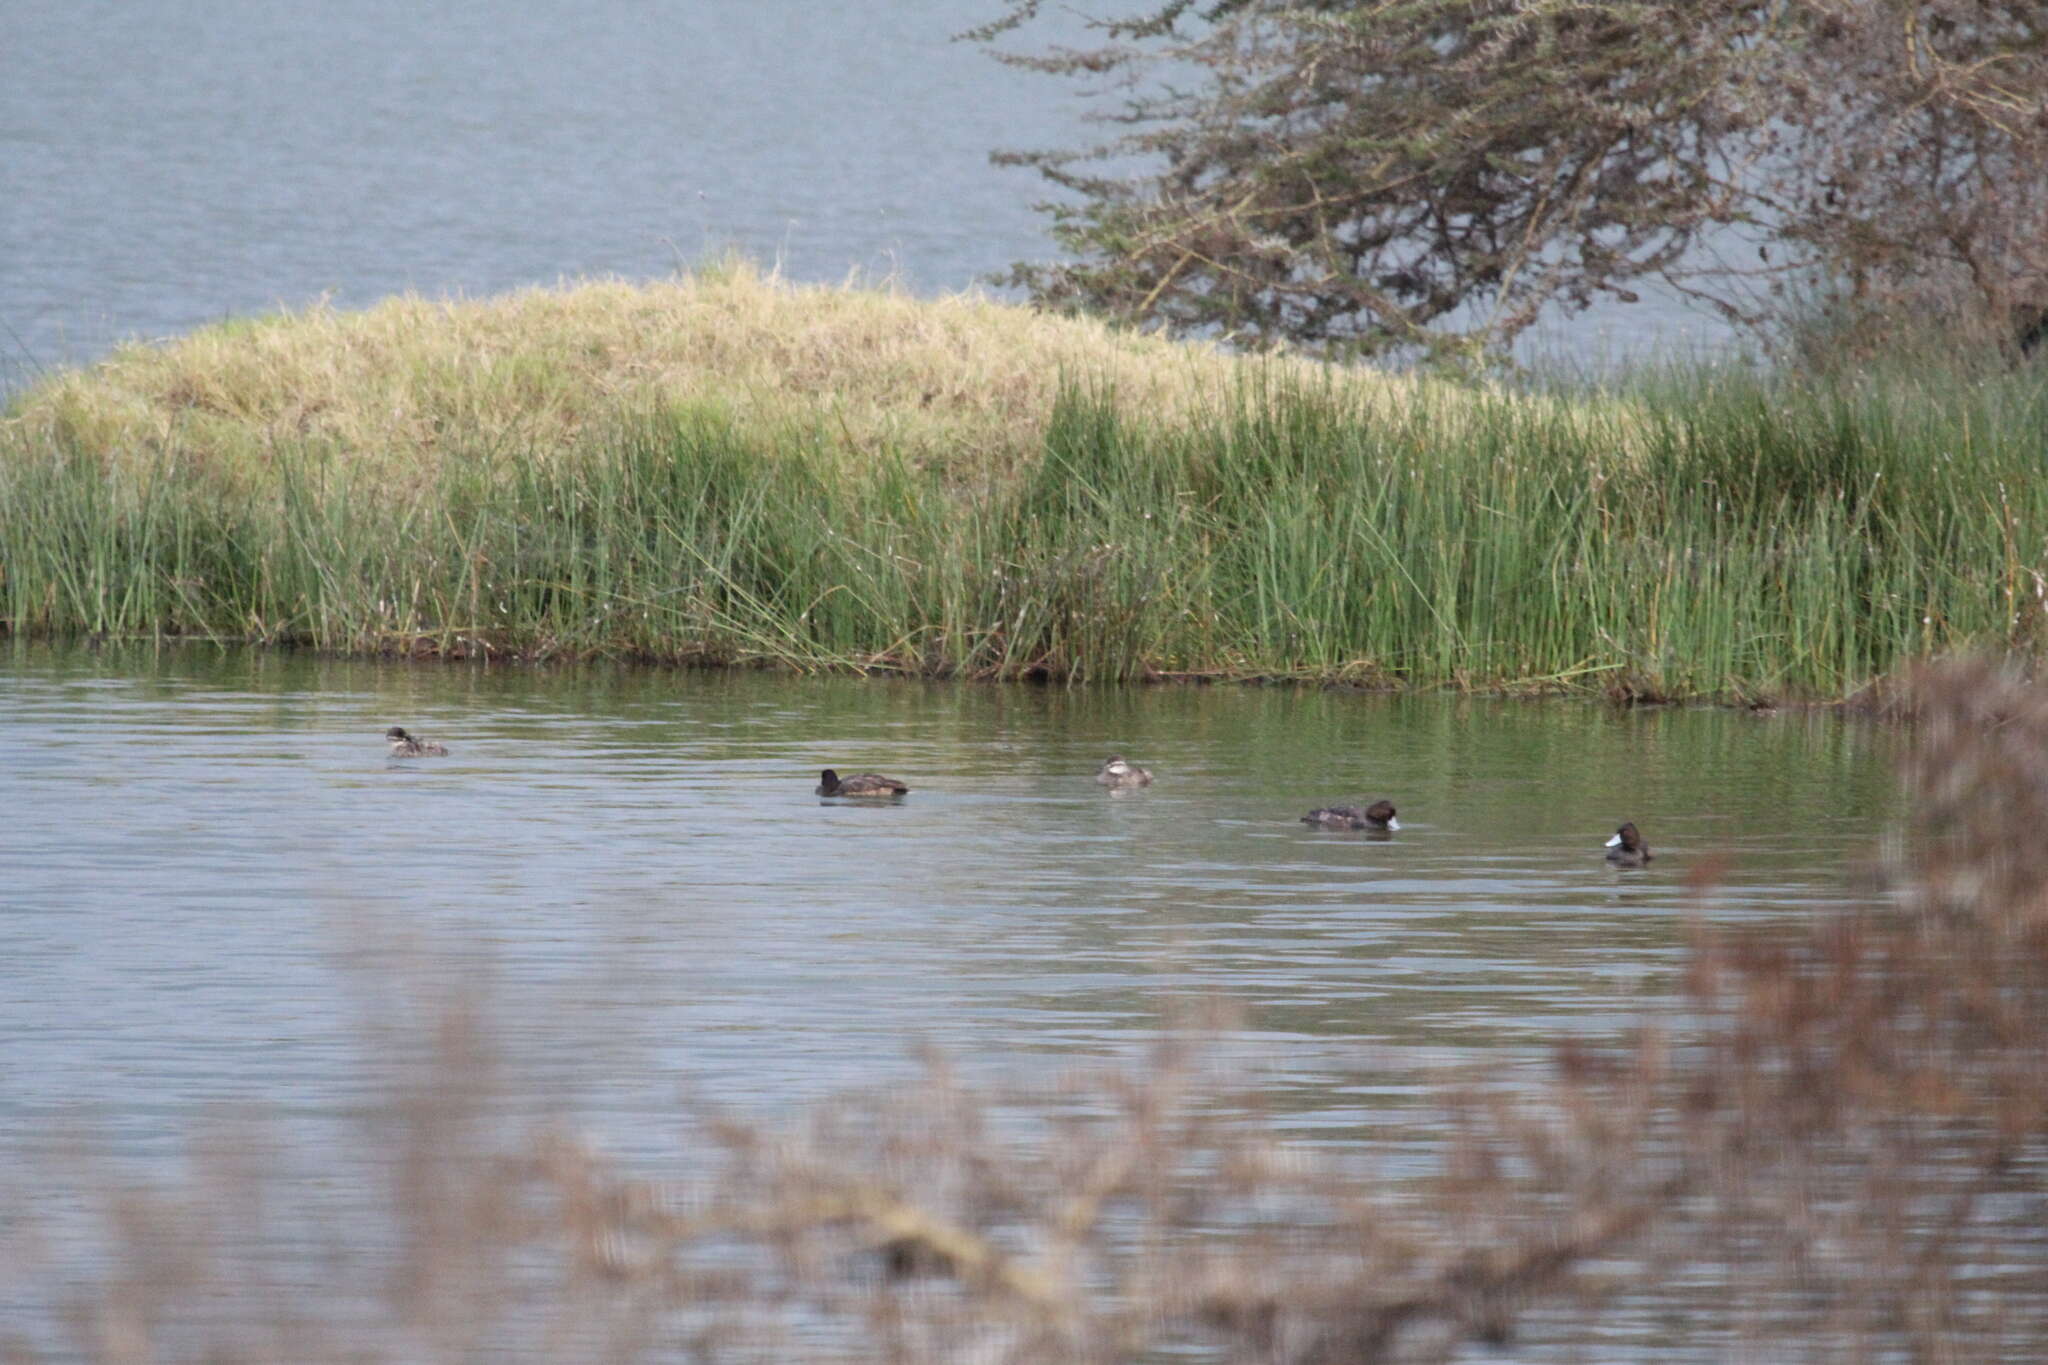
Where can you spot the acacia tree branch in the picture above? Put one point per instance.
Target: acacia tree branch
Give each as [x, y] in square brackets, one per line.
[1347, 174]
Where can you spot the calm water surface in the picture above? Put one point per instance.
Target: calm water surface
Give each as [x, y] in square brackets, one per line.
[164, 167]
[212, 870]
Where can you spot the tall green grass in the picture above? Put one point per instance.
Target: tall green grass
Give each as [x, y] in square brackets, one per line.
[1715, 534]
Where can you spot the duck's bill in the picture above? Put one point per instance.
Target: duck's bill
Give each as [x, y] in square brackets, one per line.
[1614, 842]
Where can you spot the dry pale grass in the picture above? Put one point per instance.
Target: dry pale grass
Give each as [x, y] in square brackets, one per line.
[965, 383]
[964, 379]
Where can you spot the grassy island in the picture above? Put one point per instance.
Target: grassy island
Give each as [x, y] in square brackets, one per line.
[726, 468]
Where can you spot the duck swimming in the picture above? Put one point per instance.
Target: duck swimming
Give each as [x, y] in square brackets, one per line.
[1626, 848]
[1118, 771]
[404, 745]
[1379, 815]
[860, 784]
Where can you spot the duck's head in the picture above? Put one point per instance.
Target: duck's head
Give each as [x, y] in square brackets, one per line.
[1382, 813]
[1628, 838]
[396, 732]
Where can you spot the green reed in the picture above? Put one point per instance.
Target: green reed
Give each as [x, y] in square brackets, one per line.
[1706, 534]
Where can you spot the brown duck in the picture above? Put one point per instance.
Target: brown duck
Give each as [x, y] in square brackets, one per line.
[859, 784]
[404, 745]
[1118, 771]
[1379, 815]
[1626, 848]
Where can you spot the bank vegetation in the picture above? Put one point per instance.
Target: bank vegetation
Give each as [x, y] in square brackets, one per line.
[727, 469]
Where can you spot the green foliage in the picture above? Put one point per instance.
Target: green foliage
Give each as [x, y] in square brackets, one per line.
[1714, 535]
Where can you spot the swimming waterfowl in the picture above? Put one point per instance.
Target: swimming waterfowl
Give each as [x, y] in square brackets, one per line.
[860, 784]
[1379, 815]
[404, 745]
[1626, 848]
[1118, 771]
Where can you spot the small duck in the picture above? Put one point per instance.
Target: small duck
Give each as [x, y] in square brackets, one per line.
[1379, 815]
[404, 745]
[1118, 771]
[860, 784]
[1626, 848]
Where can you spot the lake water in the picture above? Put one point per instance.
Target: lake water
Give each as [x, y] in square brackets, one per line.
[203, 848]
[220, 897]
[211, 158]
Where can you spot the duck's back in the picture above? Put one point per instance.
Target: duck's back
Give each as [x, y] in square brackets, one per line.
[859, 784]
[404, 745]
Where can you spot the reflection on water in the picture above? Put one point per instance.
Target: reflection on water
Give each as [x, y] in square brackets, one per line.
[201, 847]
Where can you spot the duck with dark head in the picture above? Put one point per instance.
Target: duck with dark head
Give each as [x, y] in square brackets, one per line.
[404, 745]
[1378, 816]
[1626, 848]
[872, 785]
